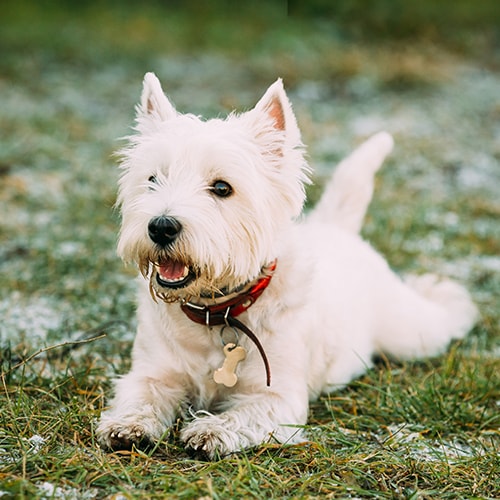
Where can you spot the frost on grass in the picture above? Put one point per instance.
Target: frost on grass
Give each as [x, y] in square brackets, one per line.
[29, 318]
[49, 490]
[413, 443]
[36, 443]
[31, 446]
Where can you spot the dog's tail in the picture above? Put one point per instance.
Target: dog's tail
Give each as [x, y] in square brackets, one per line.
[349, 192]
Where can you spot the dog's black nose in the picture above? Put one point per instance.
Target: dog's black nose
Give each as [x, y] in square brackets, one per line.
[163, 230]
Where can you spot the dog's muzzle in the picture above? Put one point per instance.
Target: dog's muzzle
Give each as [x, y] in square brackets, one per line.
[169, 272]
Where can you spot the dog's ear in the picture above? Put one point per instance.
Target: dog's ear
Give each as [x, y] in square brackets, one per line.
[275, 105]
[274, 127]
[272, 103]
[154, 103]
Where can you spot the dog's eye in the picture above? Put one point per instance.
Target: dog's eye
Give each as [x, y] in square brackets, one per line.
[152, 179]
[221, 189]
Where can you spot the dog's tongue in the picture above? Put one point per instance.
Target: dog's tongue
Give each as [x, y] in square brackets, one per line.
[172, 270]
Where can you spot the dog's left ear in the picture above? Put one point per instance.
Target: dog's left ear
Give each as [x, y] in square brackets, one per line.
[275, 105]
[154, 102]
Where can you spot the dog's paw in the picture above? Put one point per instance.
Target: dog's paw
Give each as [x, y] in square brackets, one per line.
[115, 436]
[116, 432]
[209, 440]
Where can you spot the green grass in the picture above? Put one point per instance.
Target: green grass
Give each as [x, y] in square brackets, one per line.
[69, 79]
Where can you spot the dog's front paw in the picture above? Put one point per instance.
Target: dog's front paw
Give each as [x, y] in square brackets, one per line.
[122, 433]
[208, 439]
[124, 437]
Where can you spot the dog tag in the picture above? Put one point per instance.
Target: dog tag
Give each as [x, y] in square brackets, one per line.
[226, 373]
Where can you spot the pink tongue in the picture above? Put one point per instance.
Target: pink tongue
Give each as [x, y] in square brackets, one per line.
[172, 270]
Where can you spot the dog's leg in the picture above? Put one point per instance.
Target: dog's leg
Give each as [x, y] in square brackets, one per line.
[421, 316]
[349, 192]
[141, 411]
[253, 420]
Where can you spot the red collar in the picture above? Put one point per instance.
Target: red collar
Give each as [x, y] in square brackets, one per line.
[226, 312]
[211, 315]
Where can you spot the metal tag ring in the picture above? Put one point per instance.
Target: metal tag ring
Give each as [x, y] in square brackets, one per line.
[236, 336]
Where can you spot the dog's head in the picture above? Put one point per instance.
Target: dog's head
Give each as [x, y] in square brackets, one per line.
[204, 202]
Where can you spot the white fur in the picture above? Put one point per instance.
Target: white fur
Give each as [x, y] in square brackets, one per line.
[331, 305]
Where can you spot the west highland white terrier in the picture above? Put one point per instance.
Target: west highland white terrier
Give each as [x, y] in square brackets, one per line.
[246, 310]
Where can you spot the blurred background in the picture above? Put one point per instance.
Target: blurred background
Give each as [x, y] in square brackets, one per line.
[70, 76]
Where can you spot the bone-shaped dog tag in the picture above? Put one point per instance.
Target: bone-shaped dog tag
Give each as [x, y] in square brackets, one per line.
[226, 373]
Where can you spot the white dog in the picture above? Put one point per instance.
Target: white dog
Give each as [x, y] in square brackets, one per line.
[246, 311]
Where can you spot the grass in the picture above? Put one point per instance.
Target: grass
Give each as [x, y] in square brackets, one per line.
[70, 76]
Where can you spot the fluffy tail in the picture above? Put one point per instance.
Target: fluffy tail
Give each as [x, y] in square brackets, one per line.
[349, 192]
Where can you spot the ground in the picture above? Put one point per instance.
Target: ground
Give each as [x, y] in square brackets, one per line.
[69, 79]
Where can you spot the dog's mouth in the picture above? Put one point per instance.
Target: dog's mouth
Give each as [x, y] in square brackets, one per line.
[173, 274]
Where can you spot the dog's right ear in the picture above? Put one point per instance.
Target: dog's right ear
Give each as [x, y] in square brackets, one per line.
[154, 103]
